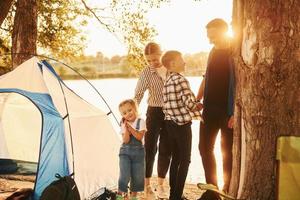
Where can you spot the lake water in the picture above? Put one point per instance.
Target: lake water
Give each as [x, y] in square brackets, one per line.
[117, 89]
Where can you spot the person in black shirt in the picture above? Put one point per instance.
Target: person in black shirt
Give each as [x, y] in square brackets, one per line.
[217, 92]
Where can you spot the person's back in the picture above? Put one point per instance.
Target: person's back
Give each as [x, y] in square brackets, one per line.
[177, 89]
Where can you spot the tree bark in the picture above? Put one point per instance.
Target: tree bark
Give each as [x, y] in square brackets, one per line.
[268, 91]
[4, 7]
[24, 31]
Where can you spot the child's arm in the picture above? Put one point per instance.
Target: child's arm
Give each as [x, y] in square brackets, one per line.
[187, 95]
[137, 134]
[201, 90]
[125, 133]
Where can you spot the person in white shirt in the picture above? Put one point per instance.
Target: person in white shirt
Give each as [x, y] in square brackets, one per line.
[152, 78]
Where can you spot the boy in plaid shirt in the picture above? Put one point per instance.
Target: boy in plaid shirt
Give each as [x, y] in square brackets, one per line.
[180, 107]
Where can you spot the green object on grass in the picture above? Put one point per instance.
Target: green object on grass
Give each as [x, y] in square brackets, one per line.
[119, 197]
[288, 156]
[214, 188]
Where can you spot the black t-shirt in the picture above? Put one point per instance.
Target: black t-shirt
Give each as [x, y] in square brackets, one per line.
[217, 83]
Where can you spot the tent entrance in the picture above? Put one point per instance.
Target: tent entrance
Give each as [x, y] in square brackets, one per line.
[20, 133]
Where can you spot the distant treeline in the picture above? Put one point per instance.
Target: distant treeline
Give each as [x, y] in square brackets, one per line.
[100, 66]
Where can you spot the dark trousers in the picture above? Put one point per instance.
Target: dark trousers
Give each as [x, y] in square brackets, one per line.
[180, 139]
[156, 129]
[208, 133]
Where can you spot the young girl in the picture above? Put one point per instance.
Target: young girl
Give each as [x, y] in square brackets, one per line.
[132, 154]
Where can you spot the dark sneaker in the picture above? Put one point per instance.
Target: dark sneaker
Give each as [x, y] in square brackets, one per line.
[210, 195]
[184, 198]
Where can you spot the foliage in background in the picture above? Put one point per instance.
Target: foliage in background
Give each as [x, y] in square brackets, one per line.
[100, 66]
[60, 24]
[127, 20]
[5, 41]
[59, 28]
[4, 60]
[133, 27]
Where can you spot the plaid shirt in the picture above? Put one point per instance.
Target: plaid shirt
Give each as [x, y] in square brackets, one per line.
[179, 100]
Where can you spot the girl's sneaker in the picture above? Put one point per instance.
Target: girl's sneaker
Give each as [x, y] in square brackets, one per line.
[161, 192]
[149, 194]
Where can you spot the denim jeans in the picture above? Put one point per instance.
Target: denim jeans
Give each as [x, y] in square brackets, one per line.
[132, 168]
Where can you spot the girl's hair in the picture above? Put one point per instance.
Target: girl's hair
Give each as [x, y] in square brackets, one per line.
[152, 48]
[130, 101]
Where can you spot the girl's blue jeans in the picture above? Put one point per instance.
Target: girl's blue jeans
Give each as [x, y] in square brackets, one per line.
[132, 168]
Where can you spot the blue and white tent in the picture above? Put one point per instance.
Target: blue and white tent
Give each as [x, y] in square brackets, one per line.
[43, 121]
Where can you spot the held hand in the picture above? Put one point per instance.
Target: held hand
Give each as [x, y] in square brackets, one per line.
[129, 128]
[231, 122]
[199, 106]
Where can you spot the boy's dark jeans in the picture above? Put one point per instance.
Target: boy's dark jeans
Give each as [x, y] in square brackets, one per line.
[156, 129]
[208, 133]
[180, 139]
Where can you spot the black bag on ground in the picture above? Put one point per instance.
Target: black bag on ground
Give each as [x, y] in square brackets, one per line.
[62, 189]
[104, 194]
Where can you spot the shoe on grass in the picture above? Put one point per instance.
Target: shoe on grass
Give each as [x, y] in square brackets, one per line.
[148, 193]
[161, 192]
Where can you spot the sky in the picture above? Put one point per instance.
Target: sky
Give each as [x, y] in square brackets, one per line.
[180, 25]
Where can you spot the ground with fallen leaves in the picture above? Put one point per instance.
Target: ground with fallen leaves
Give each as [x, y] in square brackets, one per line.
[9, 184]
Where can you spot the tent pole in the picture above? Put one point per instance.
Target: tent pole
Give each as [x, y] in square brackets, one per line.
[47, 57]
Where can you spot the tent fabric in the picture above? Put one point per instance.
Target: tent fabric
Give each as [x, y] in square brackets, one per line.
[49, 116]
[288, 155]
[27, 77]
[85, 119]
[52, 143]
[18, 115]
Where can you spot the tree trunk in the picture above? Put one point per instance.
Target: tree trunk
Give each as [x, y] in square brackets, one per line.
[4, 7]
[24, 31]
[268, 91]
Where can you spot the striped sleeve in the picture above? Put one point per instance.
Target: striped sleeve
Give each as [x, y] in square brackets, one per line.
[141, 86]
